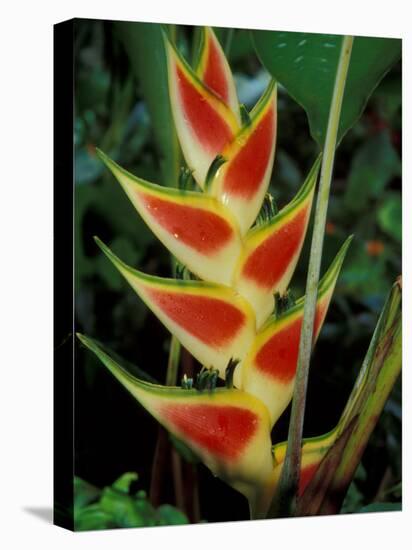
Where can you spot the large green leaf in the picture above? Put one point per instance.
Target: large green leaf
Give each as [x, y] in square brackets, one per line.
[145, 48]
[325, 492]
[305, 64]
[379, 372]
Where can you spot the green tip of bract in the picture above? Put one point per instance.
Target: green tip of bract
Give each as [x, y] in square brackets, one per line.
[81, 337]
[343, 251]
[101, 154]
[105, 249]
[165, 32]
[116, 261]
[335, 267]
[106, 160]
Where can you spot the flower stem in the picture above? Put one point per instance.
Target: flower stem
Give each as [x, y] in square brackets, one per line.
[284, 502]
[173, 362]
[228, 41]
[163, 448]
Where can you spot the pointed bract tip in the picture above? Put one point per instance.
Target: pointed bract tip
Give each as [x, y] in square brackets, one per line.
[110, 163]
[99, 243]
[81, 337]
[271, 89]
[167, 40]
[336, 265]
[101, 154]
[106, 250]
[309, 183]
[344, 248]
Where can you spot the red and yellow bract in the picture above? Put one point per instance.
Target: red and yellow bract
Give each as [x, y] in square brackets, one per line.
[228, 313]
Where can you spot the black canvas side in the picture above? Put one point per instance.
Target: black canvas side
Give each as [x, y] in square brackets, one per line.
[63, 274]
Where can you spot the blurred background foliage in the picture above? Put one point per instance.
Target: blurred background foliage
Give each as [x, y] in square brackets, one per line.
[121, 106]
[119, 505]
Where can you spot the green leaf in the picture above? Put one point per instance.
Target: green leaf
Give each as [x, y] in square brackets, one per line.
[241, 46]
[388, 98]
[168, 515]
[124, 364]
[354, 499]
[84, 493]
[237, 43]
[92, 89]
[145, 47]
[305, 64]
[390, 216]
[365, 275]
[372, 168]
[377, 376]
[125, 249]
[117, 508]
[311, 500]
[127, 511]
[122, 102]
[123, 483]
[93, 200]
[382, 507]
[92, 518]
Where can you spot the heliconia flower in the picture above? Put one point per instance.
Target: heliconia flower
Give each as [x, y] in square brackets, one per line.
[243, 179]
[225, 319]
[314, 450]
[213, 322]
[272, 250]
[195, 227]
[227, 428]
[214, 71]
[269, 369]
[204, 123]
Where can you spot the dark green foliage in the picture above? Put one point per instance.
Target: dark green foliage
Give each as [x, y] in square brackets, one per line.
[118, 506]
[382, 507]
[147, 56]
[373, 166]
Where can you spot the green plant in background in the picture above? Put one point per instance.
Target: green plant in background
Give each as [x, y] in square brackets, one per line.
[118, 506]
[230, 306]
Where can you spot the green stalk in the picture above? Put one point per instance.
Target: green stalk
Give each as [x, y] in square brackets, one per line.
[228, 41]
[144, 45]
[284, 502]
[173, 362]
[163, 448]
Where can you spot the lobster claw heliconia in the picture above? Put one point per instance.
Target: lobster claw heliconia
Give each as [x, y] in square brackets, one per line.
[228, 429]
[229, 311]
